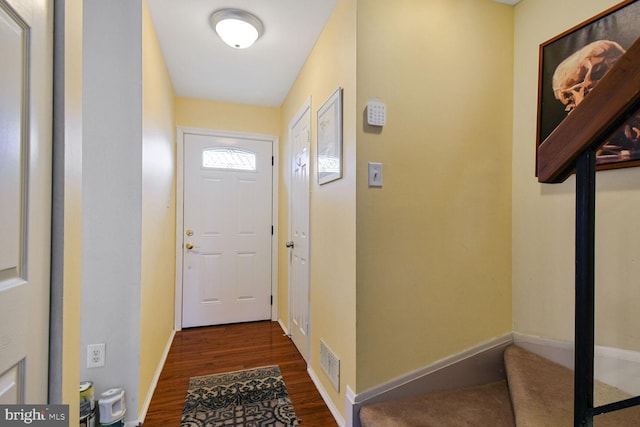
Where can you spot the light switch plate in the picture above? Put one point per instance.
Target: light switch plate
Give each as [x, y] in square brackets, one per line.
[375, 174]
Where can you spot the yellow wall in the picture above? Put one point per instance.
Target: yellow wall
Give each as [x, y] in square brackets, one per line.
[330, 65]
[543, 214]
[218, 115]
[158, 208]
[434, 244]
[72, 208]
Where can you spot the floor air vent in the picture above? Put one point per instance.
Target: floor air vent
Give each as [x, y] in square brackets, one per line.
[330, 365]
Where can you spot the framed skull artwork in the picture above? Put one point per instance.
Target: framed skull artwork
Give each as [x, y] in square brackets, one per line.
[572, 63]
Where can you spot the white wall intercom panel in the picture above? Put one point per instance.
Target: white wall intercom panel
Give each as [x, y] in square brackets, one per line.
[376, 112]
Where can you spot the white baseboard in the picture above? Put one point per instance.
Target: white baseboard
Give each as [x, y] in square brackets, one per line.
[334, 411]
[619, 368]
[557, 351]
[613, 366]
[154, 384]
[284, 327]
[318, 384]
[351, 408]
[481, 364]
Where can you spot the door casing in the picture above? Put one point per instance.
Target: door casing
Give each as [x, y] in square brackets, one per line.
[181, 131]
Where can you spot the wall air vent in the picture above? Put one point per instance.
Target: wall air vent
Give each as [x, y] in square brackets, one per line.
[330, 365]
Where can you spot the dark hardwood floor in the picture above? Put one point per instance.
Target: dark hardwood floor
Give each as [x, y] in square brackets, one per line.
[217, 349]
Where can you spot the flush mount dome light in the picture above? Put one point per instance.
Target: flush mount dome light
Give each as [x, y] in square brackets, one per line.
[237, 28]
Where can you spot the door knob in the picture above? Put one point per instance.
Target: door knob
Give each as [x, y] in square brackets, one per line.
[189, 246]
[289, 244]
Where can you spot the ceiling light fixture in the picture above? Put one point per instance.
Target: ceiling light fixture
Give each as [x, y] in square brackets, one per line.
[237, 28]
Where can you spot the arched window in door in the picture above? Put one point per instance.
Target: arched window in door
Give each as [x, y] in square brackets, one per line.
[228, 158]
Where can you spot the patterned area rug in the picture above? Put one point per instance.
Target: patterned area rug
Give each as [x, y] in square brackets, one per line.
[250, 398]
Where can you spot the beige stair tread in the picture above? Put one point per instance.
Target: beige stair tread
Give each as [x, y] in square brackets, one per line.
[542, 393]
[486, 405]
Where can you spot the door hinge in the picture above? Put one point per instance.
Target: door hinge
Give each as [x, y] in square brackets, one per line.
[271, 299]
[272, 230]
[273, 162]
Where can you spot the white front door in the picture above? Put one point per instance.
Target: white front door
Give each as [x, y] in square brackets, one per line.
[25, 199]
[300, 134]
[227, 230]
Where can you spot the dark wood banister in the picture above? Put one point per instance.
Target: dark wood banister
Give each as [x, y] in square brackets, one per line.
[607, 107]
[571, 147]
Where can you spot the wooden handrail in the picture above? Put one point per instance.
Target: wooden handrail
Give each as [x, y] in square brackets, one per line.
[611, 102]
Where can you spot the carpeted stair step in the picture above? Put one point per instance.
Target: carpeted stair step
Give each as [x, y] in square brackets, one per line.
[542, 393]
[485, 405]
[537, 393]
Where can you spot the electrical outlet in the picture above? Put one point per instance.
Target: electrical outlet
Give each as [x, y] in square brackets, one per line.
[95, 355]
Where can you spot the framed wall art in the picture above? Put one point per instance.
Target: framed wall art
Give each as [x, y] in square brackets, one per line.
[329, 139]
[572, 63]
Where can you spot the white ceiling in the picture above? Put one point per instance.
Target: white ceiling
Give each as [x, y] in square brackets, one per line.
[202, 66]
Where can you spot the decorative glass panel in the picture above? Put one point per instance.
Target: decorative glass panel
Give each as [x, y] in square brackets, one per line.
[229, 158]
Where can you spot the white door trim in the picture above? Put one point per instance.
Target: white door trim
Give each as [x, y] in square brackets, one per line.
[181, 131]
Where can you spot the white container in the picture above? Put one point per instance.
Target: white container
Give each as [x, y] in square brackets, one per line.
[111, 406]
